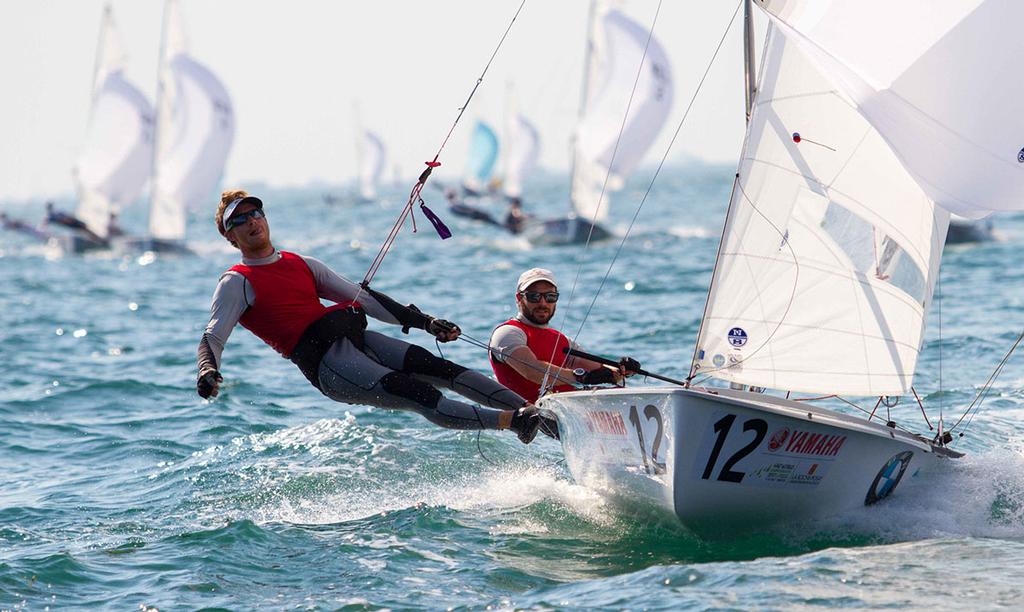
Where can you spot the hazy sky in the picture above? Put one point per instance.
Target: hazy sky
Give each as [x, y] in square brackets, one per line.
[296, 71]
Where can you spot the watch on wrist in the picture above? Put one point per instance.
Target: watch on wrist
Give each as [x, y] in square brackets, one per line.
[579, 373]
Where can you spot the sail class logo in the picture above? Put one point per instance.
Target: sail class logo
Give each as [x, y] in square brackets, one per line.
[737, 337]
[1020, 156]
[888, 477]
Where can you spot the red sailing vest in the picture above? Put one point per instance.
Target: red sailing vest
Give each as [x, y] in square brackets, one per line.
[286, 301]
[546, 343]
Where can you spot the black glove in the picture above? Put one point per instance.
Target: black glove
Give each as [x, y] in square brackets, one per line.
[630, 365]
[441, 329]
[208, 383]
[598, 376]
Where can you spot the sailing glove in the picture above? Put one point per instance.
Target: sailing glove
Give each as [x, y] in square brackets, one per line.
[598, 376]
[630, 365]
[443, 330]
[208, 384]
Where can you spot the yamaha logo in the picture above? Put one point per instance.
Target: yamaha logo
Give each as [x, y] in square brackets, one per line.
[778, 439]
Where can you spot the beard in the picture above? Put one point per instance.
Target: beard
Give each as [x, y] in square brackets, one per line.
[542, 319]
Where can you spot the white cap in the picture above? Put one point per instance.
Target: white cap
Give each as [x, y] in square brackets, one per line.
[230, 209]
[533, 275]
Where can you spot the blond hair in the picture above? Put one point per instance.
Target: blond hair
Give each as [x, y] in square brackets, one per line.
[226, 198]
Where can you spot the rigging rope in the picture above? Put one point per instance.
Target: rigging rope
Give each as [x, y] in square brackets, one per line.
[604, 187]
[657, 172]
[975, 405]
[414, 195]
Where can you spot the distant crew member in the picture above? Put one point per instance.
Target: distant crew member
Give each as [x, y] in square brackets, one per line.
[16, 225]
[515, 218]
[113, 226]
[59, 217]
[276, 295]
[526, 352]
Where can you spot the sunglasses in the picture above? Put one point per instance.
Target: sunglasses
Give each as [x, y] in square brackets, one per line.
[243, 218]
[534, 296]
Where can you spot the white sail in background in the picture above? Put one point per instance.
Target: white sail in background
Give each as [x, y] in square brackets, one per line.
[521, 152]
[195, 130]
[831, 248]
[911, 69]
[115, 162]
[618, 47]
[371, 164]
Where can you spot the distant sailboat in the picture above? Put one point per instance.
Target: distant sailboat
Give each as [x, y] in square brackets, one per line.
[963, 230]
[483, 155]
[372, 157]
[195, 130]
[615, 46]
[115, 163]
[520, 153]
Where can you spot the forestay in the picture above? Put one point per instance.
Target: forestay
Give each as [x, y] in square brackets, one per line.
[830, 252]
[371, 164]
[913, 69]
[483, 154]
[618, 48]
[196, 127]
[115, 162]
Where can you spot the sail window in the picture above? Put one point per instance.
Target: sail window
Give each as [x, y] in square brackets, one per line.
[873, 253]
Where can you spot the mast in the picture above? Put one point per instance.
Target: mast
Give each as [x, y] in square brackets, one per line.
[749, 71]
[588, 58]
[158, 108]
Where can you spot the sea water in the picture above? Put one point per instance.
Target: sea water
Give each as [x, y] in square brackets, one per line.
[121, 489]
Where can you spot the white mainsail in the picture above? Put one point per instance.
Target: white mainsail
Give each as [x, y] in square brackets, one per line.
[115, 162]
[521, 152]
[371, 164]
[831, 248]
[912, 69]
[618, 46]
[195, 130]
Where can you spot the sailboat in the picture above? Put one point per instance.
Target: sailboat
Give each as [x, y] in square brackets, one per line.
[963, 230]
[829, 258]
[195, 128]
[370, 159]
[481, 160]
[521, 151]
[601, 158]
[114, 164]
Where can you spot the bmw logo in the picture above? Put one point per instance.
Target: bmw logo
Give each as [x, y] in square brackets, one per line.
[1020, 156]
[737, 337]
[888, 477]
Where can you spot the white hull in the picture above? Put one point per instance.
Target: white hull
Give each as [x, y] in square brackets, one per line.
[719, 457]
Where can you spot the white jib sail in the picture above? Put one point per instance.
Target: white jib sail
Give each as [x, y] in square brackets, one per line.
[940, 81]
[196, 127]
[830, 252]
[521, 152]
[115, 162]
[618, 49]
[371, 165]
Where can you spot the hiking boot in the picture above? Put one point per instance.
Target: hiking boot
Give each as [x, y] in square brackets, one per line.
[525, 422]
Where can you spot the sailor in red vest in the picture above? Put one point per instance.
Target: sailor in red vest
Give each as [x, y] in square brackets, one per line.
[276, 295]
[526, 353]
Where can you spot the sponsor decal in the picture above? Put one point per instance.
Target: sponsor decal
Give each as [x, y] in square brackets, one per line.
[888, 477]
[778, 439]
[806, 443]
[718, 360]
[737, 337]
[606, 422]
[789, 473]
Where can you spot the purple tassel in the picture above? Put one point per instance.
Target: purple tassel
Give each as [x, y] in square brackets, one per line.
[442, 229]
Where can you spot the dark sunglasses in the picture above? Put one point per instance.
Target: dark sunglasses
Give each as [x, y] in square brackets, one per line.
[243, 218]
[534, 296]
